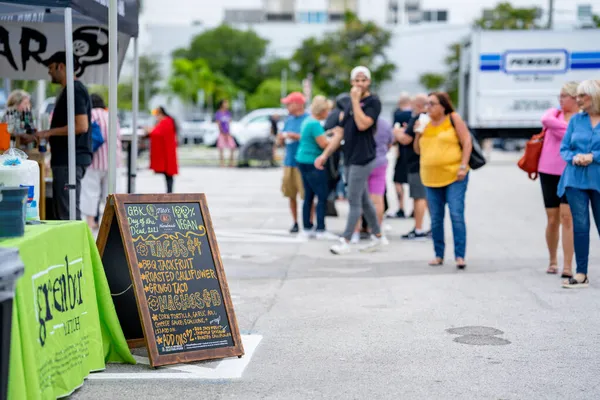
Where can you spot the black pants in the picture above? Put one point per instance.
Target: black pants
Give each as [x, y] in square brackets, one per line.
[169, 183]
[60, 192]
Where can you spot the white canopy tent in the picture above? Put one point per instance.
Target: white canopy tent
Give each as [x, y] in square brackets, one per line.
[32, 30]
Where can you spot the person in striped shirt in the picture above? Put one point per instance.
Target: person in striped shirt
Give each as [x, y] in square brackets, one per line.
[94, 185]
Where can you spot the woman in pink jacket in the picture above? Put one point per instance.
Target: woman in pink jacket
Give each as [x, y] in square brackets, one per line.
[550, 169]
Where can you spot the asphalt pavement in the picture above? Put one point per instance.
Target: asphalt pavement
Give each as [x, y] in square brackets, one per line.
[384, 325]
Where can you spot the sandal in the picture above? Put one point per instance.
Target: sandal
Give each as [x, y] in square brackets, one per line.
[438, 262]
[573, 283]
[567, 274]
[553, 270]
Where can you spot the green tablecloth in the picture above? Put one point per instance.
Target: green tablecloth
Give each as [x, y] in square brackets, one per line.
[64, 321]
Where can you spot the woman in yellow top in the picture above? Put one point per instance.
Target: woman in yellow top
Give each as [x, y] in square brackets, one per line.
[445, 148]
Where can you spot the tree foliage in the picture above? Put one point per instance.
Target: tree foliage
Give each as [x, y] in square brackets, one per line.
[233, 53]
[189, 77]
[268, 93]
[505, 16]
[432, 81]
[331, 58]
[597, 21]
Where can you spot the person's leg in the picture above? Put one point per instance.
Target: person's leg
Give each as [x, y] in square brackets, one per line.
[579, 201]
[357, 186]
[419, 195]
[232, 153]
[91, 194]
[321, 188]
[79, 174]
[377, 200]
[549, 185]
[169, 180]
[368, 209]
[221, 157]
[400, 194]
[566, 220]
[455, 196]
[309, 195]
[595, 202]
[60, 194]
[436, 198]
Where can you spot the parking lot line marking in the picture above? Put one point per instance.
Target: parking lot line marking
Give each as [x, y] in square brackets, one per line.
[231, 368]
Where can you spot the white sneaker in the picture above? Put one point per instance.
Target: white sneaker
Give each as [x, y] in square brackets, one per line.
[355, 238]
[384, 240]
[307, 234]
[374, 245]
[324, 235]
[341, 248]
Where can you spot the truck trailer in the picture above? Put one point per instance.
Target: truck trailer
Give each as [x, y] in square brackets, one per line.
[508, 79]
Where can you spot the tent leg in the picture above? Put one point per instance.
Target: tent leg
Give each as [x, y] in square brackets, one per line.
[135, 106]
[72, 187]
[113, 80]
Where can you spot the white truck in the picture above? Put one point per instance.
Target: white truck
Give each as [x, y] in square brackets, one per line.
[507, 79]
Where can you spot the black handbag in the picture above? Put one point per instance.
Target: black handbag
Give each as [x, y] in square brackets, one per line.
[477, 159]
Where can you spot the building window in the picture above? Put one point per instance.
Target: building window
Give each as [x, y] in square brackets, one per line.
[427, 16]
[312, 17]
[280, 17]
[442, 16]
[333, 17]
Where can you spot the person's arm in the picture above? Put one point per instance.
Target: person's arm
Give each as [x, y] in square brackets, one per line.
[318, 134]
[292, 135]
[364, 120]
[464, 136]
[416, 146]
[554, 123]
[219, 125]
[566, 152]
[332, 146]
[402, 137]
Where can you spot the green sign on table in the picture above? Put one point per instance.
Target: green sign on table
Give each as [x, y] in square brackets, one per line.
[64, 321]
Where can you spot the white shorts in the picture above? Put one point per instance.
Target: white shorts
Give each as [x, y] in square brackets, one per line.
[94, 191]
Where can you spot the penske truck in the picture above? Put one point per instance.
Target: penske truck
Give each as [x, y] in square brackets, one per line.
[508, 79]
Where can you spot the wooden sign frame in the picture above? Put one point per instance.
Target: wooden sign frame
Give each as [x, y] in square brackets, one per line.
[115, 209]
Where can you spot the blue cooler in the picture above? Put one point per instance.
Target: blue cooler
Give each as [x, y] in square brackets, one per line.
[13, 211]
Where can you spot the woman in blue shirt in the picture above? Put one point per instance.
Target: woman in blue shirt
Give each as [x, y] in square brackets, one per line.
[580, 148]
[316, 182]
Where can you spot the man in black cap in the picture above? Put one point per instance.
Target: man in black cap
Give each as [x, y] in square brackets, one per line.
[58, 132]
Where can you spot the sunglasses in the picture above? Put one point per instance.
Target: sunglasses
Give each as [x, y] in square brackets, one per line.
[432, 104]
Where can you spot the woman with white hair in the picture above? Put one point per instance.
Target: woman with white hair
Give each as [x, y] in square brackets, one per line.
[550, 168]
[19, 100]
[580, 181]
[316, 181]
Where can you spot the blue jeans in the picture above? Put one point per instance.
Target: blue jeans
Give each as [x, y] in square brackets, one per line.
[454, 196]
[316, 182]
[579, 201]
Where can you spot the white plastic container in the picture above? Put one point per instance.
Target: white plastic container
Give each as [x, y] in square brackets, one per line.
[24, 174]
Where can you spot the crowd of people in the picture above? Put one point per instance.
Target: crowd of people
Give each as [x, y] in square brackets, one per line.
[434, 151]
[348, 141]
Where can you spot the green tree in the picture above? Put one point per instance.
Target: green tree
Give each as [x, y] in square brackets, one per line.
[331, 58]
[149, 78]
[234, 53]
[274, 67]
[31, 87]
[597, 20]
[432, 81]
[505, 16]
[189, 77]
[268, 93]
[124, 91]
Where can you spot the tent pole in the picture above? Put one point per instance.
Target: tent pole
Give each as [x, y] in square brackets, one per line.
[113, 79]
[71, 113]
[136, 106]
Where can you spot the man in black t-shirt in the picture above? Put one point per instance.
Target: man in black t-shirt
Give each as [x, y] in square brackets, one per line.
[402, 116]
[57, 136]
[357, 128]
[405, 136]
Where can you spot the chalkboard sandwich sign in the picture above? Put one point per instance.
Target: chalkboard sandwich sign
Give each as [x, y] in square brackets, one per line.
[166, 276]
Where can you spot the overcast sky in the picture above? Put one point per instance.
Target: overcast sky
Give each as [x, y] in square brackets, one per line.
[210, 11]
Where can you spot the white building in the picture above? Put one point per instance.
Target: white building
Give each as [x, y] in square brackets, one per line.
[420, 41]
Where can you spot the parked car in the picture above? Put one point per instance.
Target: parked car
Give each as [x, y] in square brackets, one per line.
[255, 124]
[192, 131]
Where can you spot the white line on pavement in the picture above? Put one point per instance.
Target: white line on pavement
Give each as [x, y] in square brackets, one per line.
[231, 368]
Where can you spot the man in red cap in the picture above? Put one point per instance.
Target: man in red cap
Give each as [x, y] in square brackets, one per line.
[292, 185]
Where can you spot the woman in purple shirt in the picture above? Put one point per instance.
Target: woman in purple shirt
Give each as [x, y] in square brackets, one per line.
[550, 168]
[225, 140]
